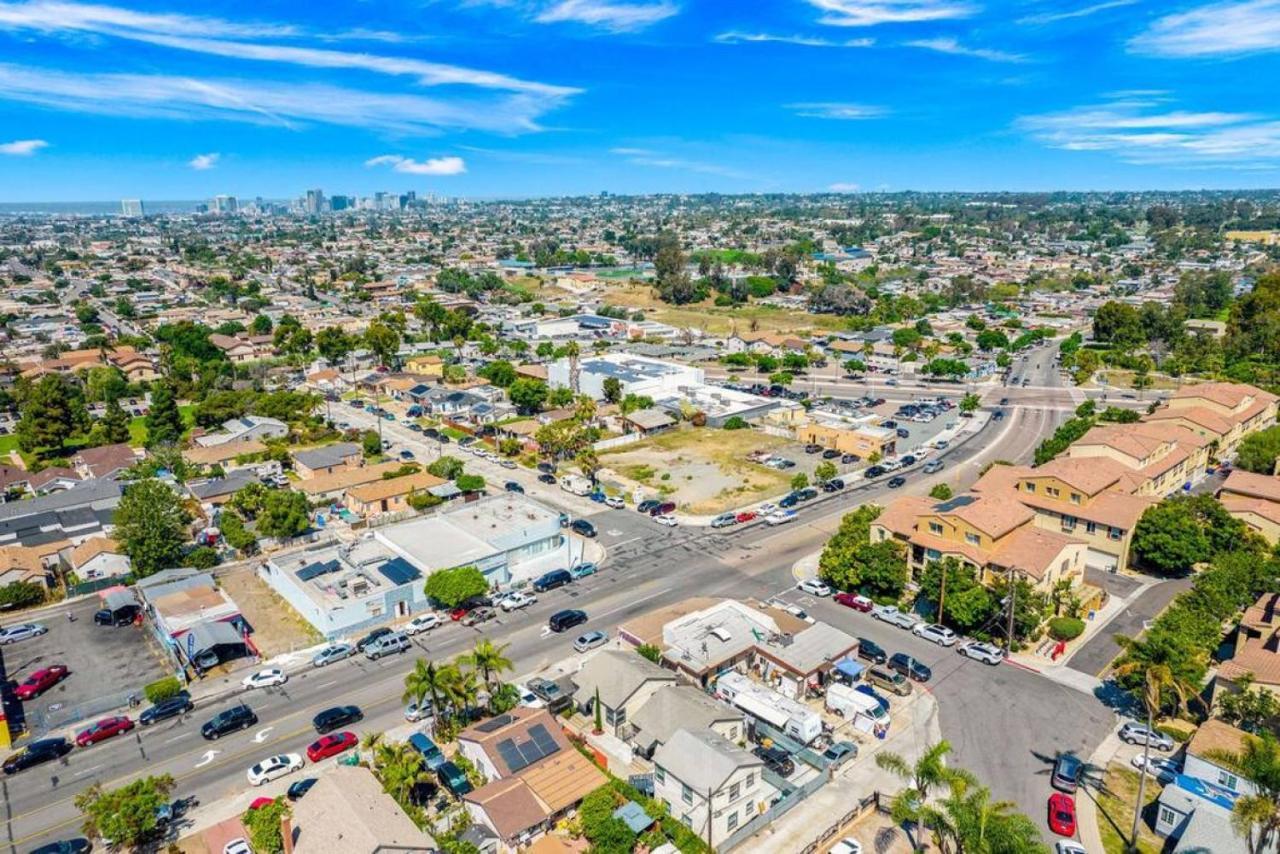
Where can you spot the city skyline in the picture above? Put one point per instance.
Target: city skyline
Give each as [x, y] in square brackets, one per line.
[568, 97]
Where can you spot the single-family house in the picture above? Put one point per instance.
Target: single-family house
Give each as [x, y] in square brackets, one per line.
[245, 428]
[327, 459]
[623, 681]
[1205, 751]
[390, 495]
[709, 783]
[675, 707]
[99, 557]
[104, 460]
[347, 810]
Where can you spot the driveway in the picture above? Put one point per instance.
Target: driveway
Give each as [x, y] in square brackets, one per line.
[1095, 656]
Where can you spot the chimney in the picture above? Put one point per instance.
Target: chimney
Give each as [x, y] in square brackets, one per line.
[286, 833]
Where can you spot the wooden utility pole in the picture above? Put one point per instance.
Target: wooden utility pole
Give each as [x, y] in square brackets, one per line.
[1013, 598]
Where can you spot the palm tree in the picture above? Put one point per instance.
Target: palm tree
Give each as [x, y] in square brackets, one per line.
[458, 688]
[1158, 680]
[422, 682]
[489, 659]
[1256, 816]
[372, 742]
[400, 769]
[926, 773]
[967, 821]
[572, 351]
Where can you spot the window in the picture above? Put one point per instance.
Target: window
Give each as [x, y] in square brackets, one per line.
[686, 794]
[732, 821]
[733, 733]
[935, 528]
[932, 554]
[688, 822]
[1168, 816]
[1066, 564]
[1091, 527]
[1075, 498]
[973, 539]
[1117, 533]
[659, 774]
[734, 791]
[608, 715]
[750, 781]
[1052, 490]
[1031, 487]
[1228, 780]
[1068, 523]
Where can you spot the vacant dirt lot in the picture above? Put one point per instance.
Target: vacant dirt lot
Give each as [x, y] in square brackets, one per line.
[704, 470]
[276, 626]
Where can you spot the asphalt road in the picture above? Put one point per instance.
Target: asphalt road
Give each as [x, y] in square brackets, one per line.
[1096, 655]
[999, 720]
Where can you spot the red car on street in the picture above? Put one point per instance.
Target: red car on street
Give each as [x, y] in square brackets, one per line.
[42, 680]
[854, 601]
[259, 803]
[745, 516]
[458, 613]
[1062, 814]
[331, 745]
[103, 729]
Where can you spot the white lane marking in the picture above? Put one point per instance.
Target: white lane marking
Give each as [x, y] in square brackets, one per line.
[177, 737]
[327, 684]
[208, 757]
[261, 735]
[87, 771]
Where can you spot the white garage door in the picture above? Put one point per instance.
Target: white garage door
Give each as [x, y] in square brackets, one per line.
[1095, 559]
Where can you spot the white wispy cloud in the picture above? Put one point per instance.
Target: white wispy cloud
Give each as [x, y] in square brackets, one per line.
[1216, 29]
[843, 187]
[633, 152]
[53, 17]
[22, 147]
[660, 160]
[1069, 14]
[869, 13]
[836, 110]
[1136, 134]
[607, 14]
[735, 37]
[955, 48]
[204, 162]
[433, 166]
[266, 102]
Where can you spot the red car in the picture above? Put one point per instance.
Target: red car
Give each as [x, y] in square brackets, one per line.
[42, 680]
[1062, 814]
[745, 516]
[854, 601]
[259, 803]
[102, 730]
[331, 745]
[458, 613]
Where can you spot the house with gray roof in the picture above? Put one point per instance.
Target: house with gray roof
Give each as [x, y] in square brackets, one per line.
[74, 514]
[625, 681]
[710, 784]
[675, 707]
[218, 490]
[244, 429]
[326, 459]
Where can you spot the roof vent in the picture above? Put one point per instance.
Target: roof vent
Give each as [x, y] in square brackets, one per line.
[721, 634]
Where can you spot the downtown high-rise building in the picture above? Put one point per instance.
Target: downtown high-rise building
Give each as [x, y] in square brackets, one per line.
[132, 207]
[224, 204]
[314, 203]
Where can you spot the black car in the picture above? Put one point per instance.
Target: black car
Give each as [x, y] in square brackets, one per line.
[908, 460]
[647, 505]
[895, 482]
[36, 753]
[547, 478]
[583, 528]
[790, 500]
[776, 760]
[232, 720]
[179, 704]
[807, 494]
[909, 667]
[662, 508]
[873, 471]
[371, 637]
[121, 617]
[512, 486]
[547, 468]
[850, 458]
[871, 651]
[551, 580]
[562, 621]
[1004, 401]
[300, 788]
[833, 485]
[830, 454]
[338, 716]
[79, 845]
[998, 415]
[812, 449]
[903, 433]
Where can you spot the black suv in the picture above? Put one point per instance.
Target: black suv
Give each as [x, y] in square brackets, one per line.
[777, 760]
[909, 667]
[873, 471]
[371, 637]
[37, 752]
[338, 716]
[232, 720]
[583, 528]
[551, 580]
[871, 651]
[178, 704]
[562, 621]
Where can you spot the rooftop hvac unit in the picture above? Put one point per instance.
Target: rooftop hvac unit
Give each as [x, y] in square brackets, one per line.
[721, 634]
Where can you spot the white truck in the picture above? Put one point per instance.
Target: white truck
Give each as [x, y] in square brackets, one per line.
[575, 484]
[795, 719]
[850, 703]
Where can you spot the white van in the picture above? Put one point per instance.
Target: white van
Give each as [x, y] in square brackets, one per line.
[391, 644]
[848, 702]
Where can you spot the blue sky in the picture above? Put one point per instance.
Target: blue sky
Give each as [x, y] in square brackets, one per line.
[505, 98]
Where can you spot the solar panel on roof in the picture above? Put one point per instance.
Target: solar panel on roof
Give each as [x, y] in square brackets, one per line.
[399, 571]
[316, 570]
[511, 755]
[495, 723]
[543, 739]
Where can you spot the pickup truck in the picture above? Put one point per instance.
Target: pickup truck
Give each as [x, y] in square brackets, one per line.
[894, 617]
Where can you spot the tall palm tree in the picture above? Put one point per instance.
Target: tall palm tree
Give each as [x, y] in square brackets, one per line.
[372, 742]
[1158, 682]
[967, 821]
[422, 682]
[1256, 816]
[488, 658]
[926, 773]
[400, 769]
[573, 351]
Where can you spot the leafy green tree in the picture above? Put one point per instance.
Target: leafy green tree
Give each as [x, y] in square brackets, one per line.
[855, 366]
[607, 835]
[236, 534]
[528, 394]
[851, 562]
[781, 378]
[151, 526]
[825, 471]
[1258, 451]
[422, 682]
[334, 344]
[1251, 709]
[927, 773]
[370, 444]
[446, 467]
[261, 325]
[452, 587]
[248, 499]
[970, 403]
[52, 412]
[992, 339]
[127, 815]
[1182, 531]
[940, 491]
[113, 427]
[284, 514]
[264, 826]
[1256, 816]
[499, 372]
[956, 594]
[469, 482]
[383, 341]
[612, 388]
[22, 594]
[163, 420]
[799, 480]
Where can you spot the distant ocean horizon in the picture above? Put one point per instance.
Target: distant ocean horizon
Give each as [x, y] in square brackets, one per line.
[96, 208]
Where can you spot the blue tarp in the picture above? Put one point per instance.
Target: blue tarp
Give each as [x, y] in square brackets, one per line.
[850, 668]
[634, 816]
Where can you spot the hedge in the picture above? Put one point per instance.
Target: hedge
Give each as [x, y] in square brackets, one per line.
[163, 689]
[1065, 628]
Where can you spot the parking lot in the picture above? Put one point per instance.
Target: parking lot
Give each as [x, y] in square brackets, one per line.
[106, 664]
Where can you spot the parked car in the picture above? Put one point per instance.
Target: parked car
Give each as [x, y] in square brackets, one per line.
[935, 633]
[331, 745]
[830, 454]
[391, 644]
[417, 711]
[178, 704]
[840, 753]
[1068, 846]
[273, 768]
[591, 640]
[332, 653]
[617, 502]
[984, 652]
[103, 729]
[371, 637]
[776, 760]
[338, 716]
[512, 486]
[667, 520]
[582, 570]
[869, 650]
[1164, 770]
[932, 466]
[37, 753]
[724, 520]
[812, 449]
[300, 788]
[517, 600]
[268, 678]
[873, 471]
[40, 681]
[788, 501]
[125, 616]
[562, 621]
[665, 508]
[479, 615]
[897, 481]
[453, 779]
[746, 516]
[21, 631]
[833, 485]
[547, 478]
[847, 459]
[910, 667]
[1062, 814]
[855, 601]
[421, 623]
[780, 517]
[848, 845]
[1067, 771]
[647, 505]
[552, 580]
[432, 756]
[1136, 733]
[231, 720]
[583, 528]
[894, 617]
[814, 586]
[889, 680]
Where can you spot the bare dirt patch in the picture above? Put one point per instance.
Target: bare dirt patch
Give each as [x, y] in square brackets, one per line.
[277, 627]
